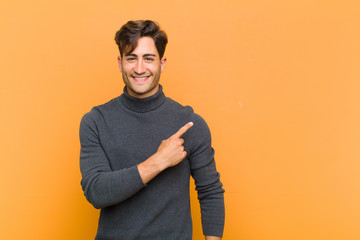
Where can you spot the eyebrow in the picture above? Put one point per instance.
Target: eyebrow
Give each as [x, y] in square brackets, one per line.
[145, 55]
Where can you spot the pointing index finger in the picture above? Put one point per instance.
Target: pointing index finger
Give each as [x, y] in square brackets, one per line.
[183, 130]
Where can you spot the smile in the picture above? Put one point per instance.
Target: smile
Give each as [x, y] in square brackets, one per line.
[140, 79]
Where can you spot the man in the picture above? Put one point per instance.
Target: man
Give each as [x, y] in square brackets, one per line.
[139, 150]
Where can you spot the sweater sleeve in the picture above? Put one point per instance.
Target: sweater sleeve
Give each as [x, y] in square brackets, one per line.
[207, 180]
[102, 186]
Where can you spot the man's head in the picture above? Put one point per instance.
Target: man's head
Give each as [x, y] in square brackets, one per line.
[142, 46]
[128, 35]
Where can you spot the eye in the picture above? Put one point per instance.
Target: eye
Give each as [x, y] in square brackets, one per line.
[130, 59]
[148, 59]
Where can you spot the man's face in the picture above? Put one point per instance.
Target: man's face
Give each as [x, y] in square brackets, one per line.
[141, 69]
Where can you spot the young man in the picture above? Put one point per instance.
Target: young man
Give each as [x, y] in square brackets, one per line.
[139, 150]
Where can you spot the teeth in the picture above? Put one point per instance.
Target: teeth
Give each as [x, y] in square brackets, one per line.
[141, 78]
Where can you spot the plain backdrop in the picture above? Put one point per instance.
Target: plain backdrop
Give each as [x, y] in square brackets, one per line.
[277, 82]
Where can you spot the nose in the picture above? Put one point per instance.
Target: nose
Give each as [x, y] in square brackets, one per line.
[139, 67]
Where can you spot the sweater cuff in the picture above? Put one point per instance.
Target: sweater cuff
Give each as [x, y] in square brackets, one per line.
[213, 229]
[139, 176]
[134, 179]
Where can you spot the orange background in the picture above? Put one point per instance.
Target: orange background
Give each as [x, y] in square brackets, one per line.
[277, 82]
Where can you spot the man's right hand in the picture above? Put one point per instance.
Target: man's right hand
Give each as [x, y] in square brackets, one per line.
[170, 153]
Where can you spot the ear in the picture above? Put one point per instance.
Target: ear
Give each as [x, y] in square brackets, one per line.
[119, 63]
[162, 63]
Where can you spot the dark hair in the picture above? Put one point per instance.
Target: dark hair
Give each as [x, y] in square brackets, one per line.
[128, 35]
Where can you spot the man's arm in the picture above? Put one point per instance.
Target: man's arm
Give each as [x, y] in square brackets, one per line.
[104, 187]
[207, 180]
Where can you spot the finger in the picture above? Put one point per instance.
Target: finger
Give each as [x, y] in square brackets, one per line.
[184, 154]
[183, 130]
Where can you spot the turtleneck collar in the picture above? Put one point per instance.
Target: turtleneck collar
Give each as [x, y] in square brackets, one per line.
[142, 104]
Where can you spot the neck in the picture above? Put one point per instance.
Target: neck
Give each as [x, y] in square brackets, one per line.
[144, 95]
[145, 104]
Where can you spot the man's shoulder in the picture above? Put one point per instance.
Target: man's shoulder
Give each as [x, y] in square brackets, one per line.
[99, 110]
[177, 106]
[183, 111]
[108, 106]
[187, 112]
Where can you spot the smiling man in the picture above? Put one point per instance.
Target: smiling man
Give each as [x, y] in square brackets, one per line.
[139, 150]
[141, 68]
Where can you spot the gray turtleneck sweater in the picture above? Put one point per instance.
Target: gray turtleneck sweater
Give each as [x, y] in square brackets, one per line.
[115, 137]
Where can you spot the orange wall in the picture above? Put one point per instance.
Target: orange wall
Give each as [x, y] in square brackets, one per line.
[277, 81]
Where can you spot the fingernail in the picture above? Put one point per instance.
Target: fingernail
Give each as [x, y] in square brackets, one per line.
[191, 123]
